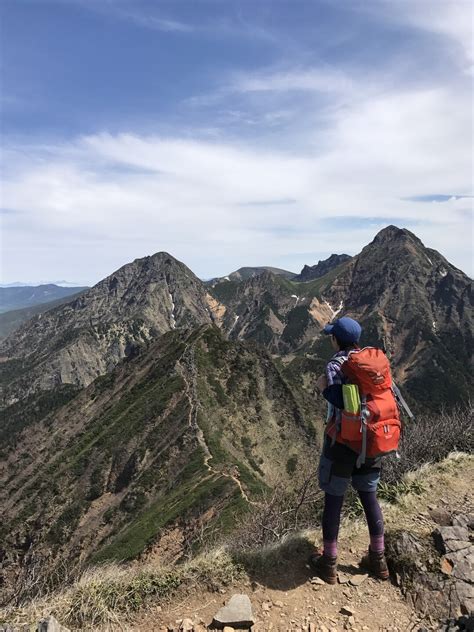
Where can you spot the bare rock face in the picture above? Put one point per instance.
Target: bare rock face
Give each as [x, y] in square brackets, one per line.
[436, 575]
[76, 342]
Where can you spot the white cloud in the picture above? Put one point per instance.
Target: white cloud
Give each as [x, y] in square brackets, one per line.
[450, 19]
[137, 194]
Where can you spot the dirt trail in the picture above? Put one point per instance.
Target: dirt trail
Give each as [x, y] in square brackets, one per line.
[186, 366]
[283, 597]
[290, 602]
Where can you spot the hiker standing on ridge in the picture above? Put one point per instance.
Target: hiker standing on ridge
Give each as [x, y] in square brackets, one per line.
[362, 425]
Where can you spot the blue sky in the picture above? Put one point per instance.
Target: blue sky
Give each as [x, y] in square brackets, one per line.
[230, 133]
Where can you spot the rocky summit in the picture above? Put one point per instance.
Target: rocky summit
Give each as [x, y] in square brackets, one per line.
[76, 342]
[409, 299]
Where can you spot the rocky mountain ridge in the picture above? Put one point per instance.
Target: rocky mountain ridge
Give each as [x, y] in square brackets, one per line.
[409, 299]
[309, 273]
[248, 272]
[177, 440]
[76, 342]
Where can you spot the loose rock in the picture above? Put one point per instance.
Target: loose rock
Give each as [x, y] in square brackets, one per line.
[237, 612]
[50, 624]
[357, 580]
[186, 625]
[318, 581]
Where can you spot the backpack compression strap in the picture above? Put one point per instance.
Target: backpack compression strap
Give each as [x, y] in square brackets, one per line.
[364, 415]
[401, 401]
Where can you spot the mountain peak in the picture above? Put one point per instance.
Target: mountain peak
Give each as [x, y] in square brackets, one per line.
[394, 233]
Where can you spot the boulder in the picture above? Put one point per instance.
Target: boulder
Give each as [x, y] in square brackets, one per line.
[437, 576]
[443, 536]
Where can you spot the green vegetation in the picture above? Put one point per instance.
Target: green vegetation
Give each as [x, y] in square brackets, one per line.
[225, 291]
[193, 490]
[103, 383]
[318, 286]
[298, 320]
[444, 379]
[12, 369]
[67, 522]
[392, 492]
[139, 406]
[372, 331]
[291, 464]
[31, 410]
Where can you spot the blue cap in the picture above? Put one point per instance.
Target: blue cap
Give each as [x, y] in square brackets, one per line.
[345, 329]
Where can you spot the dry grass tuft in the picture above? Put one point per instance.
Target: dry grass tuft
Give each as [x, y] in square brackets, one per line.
[111, 593]
[429, 439]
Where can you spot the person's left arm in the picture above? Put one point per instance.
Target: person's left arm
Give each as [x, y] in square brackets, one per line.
[330, 385]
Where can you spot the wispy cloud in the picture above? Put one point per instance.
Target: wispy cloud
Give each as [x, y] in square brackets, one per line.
[383, 154]
[437, 197]
[304, 80]
[449, 19]
[145, 15]
[153, 22]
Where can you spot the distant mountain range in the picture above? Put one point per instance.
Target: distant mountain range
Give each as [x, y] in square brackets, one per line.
[13, 298]
[12, 319]
[154, 404]
[243, 274]
[61, 283]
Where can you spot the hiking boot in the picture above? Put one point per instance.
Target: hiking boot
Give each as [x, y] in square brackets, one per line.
[324, 566]
[376, 564]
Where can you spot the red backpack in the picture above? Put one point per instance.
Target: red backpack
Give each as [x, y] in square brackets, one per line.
[372, 425]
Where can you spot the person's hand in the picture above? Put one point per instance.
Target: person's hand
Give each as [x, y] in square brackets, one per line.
[322, 382]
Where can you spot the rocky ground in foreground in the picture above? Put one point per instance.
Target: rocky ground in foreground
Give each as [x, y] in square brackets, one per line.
[432, 583]
[430, 549]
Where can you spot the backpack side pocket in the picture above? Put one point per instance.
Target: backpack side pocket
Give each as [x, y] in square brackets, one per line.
[351, 422]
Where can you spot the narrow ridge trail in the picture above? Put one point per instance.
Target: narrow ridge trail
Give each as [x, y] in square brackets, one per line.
[186, 366]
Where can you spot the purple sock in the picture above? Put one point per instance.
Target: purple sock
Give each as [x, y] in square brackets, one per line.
[331, 520]
[377, 544]
[330, 548]
[374, 517]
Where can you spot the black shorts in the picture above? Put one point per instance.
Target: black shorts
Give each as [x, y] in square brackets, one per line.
[338, 467]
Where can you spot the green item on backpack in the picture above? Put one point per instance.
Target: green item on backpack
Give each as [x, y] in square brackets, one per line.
[351, 397]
